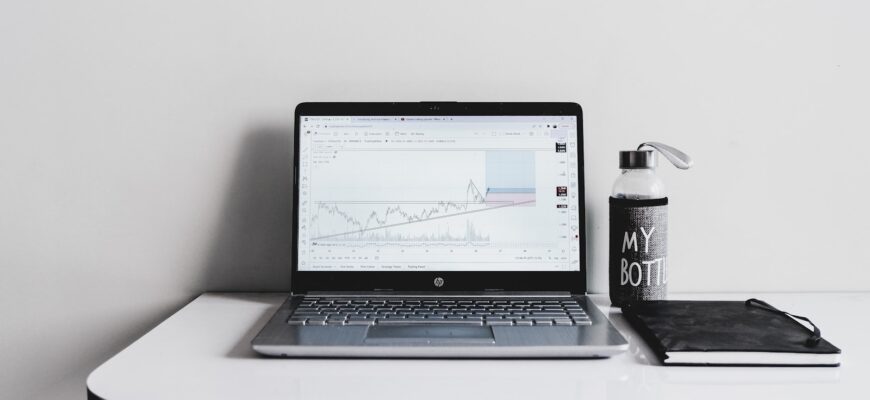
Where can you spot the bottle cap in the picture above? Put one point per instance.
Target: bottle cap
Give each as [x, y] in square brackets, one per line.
[637, 159]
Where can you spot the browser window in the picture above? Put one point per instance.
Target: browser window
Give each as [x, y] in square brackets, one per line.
[438, 193]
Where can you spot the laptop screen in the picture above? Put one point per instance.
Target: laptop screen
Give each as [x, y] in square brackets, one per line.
[438, 193]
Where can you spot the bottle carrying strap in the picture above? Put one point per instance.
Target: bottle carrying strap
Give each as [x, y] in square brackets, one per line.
[678, 158]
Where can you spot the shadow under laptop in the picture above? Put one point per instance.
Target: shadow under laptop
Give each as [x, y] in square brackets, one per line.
[637, 348]
[251, 247]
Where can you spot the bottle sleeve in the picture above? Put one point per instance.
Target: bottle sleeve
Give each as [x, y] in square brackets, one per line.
[638, 250]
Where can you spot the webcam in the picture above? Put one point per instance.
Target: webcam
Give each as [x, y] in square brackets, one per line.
[435, 106]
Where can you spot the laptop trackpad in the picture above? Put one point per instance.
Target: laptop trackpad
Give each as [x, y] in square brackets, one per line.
[424, 334]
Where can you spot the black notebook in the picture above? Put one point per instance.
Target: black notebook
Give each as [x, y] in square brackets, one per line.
[728, 333]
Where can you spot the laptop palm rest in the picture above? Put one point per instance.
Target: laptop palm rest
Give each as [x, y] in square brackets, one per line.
[429, 334]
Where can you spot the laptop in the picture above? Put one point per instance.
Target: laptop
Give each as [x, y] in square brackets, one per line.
[439, 229]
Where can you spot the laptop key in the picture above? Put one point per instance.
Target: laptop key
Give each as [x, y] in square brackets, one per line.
[308, 315]
[429, 322]
[548, 314]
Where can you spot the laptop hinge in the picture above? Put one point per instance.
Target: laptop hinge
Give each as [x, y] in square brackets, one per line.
[482, 293]
[391, 292]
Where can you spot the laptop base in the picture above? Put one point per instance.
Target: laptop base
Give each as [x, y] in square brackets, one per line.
[281, 339]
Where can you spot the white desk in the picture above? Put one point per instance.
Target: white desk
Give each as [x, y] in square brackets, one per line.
[203, 352]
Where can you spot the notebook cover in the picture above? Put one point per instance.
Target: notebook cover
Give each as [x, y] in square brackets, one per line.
[707, 326]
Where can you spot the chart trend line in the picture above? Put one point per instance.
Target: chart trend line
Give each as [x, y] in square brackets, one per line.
[440, 210]
[424, 220]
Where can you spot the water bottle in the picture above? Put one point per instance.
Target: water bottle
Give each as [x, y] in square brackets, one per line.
[639, 226]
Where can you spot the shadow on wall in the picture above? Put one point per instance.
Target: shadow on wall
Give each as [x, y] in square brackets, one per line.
[251, 248]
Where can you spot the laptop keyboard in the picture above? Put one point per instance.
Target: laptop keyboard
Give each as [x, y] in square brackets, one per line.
[468, 311]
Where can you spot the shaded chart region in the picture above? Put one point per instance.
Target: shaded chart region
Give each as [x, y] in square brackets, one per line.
[510, 177]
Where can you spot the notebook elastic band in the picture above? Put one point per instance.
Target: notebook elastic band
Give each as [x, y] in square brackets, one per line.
[812, 341]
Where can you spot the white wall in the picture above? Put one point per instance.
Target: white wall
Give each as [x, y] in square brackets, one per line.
[145, 145]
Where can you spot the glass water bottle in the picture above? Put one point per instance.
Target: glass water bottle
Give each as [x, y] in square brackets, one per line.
[639, 226]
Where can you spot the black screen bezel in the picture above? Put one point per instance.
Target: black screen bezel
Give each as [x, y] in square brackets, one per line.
[572, 281]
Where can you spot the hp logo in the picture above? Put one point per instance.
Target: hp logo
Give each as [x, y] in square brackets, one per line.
[439, 281]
